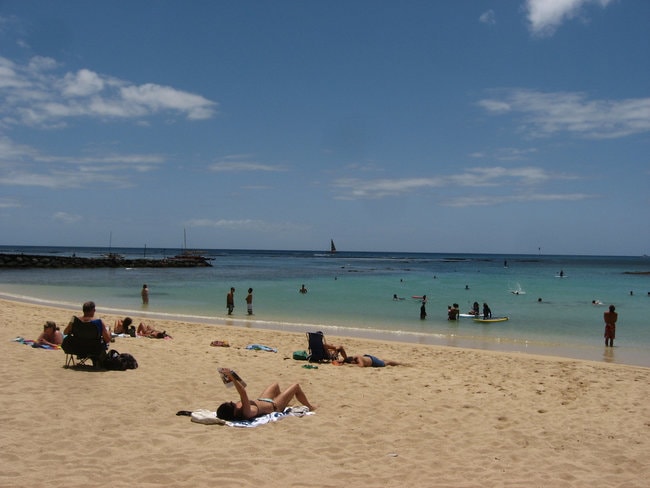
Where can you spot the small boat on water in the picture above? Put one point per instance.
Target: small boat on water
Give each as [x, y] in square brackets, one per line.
[332, 246]
[190, 257]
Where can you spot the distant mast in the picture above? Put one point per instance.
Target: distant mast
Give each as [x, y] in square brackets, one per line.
[332, 246]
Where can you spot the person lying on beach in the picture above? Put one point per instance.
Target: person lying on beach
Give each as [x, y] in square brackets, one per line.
[368, 361]
[123, 326]
[270, 400]
[51, 335]
[148, 331]
[334, 351]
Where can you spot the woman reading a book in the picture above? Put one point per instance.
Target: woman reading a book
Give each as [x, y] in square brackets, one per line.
[270, 400]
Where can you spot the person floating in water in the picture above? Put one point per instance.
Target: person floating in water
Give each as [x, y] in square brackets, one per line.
[303, 290]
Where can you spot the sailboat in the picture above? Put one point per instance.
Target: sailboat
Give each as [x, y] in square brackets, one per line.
[110, 254]
[332, 246]
[190, 257]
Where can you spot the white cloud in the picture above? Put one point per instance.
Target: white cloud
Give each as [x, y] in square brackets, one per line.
[9, 203]
[485, 200]
[505, 154]
[249, 225]
[35, 94]
[488, 17]
[22, 165]
[480, 177]
[66, 218]
[238, 163]
[82, 84]
[545, 16]
[545, 114]
[158, 98]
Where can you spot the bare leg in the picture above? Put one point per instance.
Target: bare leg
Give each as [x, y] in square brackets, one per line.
[271, 391]
[283, 399]
[391, 363]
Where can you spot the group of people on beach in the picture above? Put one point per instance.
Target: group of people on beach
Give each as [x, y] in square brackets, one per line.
[272, 399]
[144, 330]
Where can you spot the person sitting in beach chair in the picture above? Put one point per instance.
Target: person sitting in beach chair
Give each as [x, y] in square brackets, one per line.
[86, 338]
[320, 351]
[270, 400]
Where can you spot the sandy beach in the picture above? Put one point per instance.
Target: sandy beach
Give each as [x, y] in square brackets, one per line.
[450, 418]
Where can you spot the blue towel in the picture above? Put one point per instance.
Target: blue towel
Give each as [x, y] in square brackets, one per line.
[260, 347]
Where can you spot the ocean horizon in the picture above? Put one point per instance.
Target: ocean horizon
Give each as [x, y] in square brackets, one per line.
[549, 300]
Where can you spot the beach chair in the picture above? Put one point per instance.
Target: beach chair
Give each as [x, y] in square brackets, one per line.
[318, 353]
[83, 343]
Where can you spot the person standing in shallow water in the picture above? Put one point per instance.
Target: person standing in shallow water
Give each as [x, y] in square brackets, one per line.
[423, 308]
[230, 301]
[249, 301]
[145, 294]
[610, 325]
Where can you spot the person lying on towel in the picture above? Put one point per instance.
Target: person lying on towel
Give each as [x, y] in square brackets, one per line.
[368, 361]
[270, 400]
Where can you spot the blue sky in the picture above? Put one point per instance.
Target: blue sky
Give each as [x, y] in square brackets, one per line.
[506, 126]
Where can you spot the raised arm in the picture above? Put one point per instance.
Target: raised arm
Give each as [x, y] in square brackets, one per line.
[246, 409]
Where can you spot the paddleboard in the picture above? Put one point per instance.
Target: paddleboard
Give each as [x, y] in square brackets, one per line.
[493, 319]
[467, 315]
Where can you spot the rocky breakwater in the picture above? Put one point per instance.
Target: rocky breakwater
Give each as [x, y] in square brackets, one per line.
[41, 261]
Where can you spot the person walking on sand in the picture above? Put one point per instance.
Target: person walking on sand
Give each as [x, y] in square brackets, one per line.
[610, 326]
[145, 294]
[249, 301]
[230, 301]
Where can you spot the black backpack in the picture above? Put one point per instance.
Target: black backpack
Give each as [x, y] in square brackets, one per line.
[119, 362]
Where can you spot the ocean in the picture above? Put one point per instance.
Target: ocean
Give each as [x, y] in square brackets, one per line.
[547, 299]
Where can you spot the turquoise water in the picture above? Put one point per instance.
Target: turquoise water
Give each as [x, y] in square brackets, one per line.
[350, 294]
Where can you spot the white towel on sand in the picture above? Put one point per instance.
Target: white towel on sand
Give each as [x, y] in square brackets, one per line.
[202, 416]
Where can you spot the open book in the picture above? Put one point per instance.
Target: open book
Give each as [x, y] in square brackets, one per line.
[227, 381]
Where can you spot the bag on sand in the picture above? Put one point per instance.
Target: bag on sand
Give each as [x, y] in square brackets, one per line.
[119, 362]
[300, 355]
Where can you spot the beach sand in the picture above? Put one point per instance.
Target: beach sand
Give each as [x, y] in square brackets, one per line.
[450, 418]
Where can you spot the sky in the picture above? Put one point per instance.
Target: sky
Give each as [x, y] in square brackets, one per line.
[497, 126]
